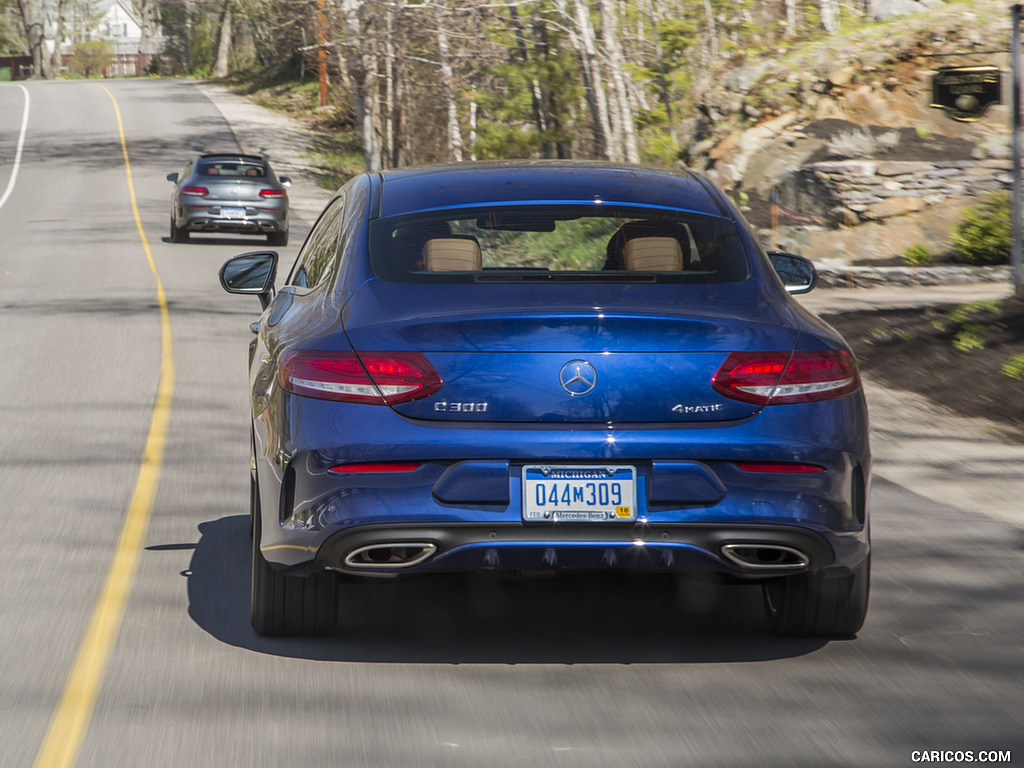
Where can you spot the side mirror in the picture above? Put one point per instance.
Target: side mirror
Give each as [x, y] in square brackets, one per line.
[172, 177]
[251, 273]
[285, 181]
[797, 273]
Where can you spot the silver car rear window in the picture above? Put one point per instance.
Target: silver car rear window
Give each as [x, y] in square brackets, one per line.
[232, 169]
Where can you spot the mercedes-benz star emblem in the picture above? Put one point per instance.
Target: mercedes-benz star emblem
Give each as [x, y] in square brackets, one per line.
[577, 377]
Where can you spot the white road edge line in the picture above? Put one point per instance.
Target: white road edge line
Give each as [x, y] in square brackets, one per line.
[17, 155]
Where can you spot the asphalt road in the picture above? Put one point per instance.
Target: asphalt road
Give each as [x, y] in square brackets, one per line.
[451, 672]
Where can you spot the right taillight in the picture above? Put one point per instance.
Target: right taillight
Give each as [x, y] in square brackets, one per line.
[777, 378]
[374, 378]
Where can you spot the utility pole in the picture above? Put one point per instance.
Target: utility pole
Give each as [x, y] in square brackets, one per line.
[321, 52]
[1015, 254]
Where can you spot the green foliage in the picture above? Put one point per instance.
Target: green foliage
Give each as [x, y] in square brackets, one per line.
[91, 58]
[972, 309]
[970, 337]
[506, 127]
[918, 255]
[660, 149]
[1014, 368]
[984, 236]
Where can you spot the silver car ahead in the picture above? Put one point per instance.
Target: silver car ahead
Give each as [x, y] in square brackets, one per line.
[229, 193]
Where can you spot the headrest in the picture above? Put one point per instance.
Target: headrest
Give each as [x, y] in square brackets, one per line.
[653, 254]
[452, 254]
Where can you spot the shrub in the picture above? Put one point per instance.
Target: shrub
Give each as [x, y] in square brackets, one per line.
[1014, 368]
[918, 255]
[983, 236]
[91, 57]
[855, 143]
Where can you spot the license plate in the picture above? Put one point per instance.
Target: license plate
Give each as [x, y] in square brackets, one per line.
[579, 494]
[232, 213]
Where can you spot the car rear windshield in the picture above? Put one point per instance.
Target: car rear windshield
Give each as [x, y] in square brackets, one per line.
[557, 243]
[232, 168]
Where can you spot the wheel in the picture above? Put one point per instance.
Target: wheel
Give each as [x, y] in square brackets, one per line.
[178, 235]
[816, 605]
[289, 605]
[278, 238]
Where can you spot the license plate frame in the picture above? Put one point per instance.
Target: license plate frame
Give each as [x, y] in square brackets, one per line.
[235, 214]
[579, 493]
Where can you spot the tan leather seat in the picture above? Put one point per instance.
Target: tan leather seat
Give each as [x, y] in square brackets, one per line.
[452, 254]
[653, 254]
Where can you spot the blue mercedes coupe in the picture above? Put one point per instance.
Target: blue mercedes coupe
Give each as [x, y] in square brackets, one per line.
[537, 367]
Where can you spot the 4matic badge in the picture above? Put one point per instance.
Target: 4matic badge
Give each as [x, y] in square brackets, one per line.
[687, 409]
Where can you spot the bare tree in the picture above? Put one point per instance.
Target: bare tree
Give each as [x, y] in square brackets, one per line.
[829, 15]
[447, 76]
[33, 26]
[220, 64]
[623, 113]
[360, 63]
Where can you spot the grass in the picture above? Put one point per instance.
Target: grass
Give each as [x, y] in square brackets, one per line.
[336, 157]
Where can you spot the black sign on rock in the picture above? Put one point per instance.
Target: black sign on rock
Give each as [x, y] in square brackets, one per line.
[966, 92]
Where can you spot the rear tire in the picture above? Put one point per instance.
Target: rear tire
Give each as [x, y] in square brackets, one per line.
[178, 235]
[815, 605]
[283, 604]
[278, 238]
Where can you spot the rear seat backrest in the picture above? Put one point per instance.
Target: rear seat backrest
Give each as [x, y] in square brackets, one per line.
[452, 254]
[653, 254]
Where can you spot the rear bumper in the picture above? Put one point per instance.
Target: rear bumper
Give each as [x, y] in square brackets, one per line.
[692, 496]
[252, 225]
[744, 552]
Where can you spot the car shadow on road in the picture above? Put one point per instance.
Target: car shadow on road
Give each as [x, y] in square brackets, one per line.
[459, 619]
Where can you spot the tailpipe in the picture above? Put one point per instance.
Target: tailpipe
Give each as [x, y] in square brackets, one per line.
[391, 555]
[765, 557]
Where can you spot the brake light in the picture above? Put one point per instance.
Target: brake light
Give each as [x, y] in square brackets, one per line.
[197, 191]
[777, 378]
[379, 467]
[374, 378]
[271, 193]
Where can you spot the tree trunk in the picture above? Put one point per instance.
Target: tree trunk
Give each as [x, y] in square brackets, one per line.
[220, 66]
[792, 19]
[451, 107]
[583, 44]
[362, 81]
[662, 79]
[524, 53]
[829, 10]
[56, 60]
[712, 32]
[32, 23]
[396, 88]
[623, 112]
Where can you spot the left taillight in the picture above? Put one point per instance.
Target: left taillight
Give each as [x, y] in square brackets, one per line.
[373, 378]
[196, 191]
[778, 378]
[271, 193]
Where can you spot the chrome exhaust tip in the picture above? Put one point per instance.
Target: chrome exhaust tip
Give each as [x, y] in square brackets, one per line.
[390, 556]
[765, 556]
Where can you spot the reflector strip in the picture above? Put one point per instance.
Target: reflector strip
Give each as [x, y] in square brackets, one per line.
[779, 467]
[389, 466]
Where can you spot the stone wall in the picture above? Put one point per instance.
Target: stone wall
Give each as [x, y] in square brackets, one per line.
[873, 210]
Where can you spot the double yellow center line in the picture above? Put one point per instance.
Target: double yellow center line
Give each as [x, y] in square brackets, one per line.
[70, 721]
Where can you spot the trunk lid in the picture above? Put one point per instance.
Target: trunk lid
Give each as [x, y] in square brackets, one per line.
[580, 354]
